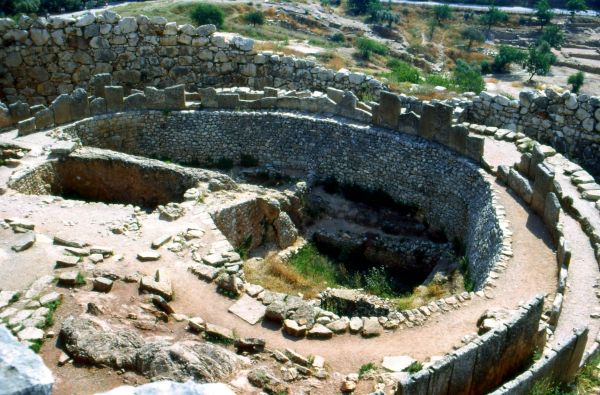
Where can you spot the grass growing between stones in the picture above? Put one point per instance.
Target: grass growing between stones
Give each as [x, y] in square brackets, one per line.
[586, 382]
[365, 368]
[309, 272]
[49, 318]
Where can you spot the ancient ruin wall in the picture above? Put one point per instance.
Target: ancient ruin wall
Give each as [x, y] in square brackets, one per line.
[44, 58]
[450, 188]
[570, 123]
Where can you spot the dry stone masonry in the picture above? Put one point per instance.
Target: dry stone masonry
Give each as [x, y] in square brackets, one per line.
[105, 88]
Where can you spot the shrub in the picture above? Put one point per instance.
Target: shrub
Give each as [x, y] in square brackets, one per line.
[543, 12]
[507, 55]
[486, 66]
[377, 282]
[365, 368]
[441, 12]
[359, 7]
[539, 60]
[438, 80]
[576, 81]
[338, 37]
[492, 17]
[403, 72]
[367, 46]
[468, 77]
[255, 18]
[414, 367]
[472, 34]
[204, 14]
[553, 35]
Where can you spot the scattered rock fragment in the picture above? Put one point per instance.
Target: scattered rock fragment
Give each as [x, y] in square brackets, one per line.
[248, 309]
[319, 331]
[196, 324]
[160, 241]
[66, 261]
[158, 284]
[102, 284]
[397, 363]
[148, 256]
[291, 327]
[24, 242]
[219, 333]
[371, 327]
[250, 345]
[68, 279]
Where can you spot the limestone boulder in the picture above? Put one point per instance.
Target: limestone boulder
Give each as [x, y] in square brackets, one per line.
[21, 370]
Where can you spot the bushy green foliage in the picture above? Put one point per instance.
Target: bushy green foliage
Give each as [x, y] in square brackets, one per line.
[441, 12]
[576, 81]
[507, 55]
[403, 72]
[553, 35]
[576, 6]
[360, 7]
[539, 60]
[492, 17]
[543, 12]
[367, 46]
[338, 37]
[205, 14]
[467, 77]
[438, 80]
[365, 368]
[255, 17]
[309, 262]
[12, 7]
[385, 16]
[377, 282]
[414, 367]
[472, 34]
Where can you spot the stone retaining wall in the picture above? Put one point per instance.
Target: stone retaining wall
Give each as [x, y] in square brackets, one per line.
[43, 58]
[451, 189]
[483, 364]
[570, 123]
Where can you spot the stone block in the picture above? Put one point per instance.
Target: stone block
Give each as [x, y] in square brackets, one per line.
[457, 138]
[136, 101]
[388, 111]
[98, 82]
[114, 98]
[488, 361]
[19, 111]
[414, 384]
[155, 98]
[98, 106]
[44, 118]
[520, 185]
[576, 356]
[335, 94]
[80, 106]
[26, 126]
[175, 97]
[61, 106]
[543, 184]
[436, 121]
[462, 372]
[552, 213]
[440, 374]
[228, 100]
[409, 122]
[475, 147]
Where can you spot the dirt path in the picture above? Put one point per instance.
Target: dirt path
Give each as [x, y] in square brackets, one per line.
[580, 300]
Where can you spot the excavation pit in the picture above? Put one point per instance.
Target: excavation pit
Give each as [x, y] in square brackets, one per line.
[96, 176]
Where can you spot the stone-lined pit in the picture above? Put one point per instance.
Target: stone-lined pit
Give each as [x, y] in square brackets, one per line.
[451, 189]
[101, 176]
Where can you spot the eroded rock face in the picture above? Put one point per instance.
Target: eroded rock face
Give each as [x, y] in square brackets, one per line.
[92, 341]
[21, 370]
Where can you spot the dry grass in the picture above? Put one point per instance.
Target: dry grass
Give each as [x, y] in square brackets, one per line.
[275, 275]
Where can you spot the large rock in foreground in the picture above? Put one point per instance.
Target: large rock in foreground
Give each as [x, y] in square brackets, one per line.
[92, 341]
[21, 370]
[171, 388]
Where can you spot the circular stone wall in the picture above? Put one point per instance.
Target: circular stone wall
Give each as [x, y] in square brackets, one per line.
[451, 189]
